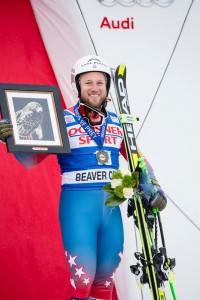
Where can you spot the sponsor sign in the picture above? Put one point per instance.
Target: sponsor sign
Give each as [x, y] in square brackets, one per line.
[141, 2]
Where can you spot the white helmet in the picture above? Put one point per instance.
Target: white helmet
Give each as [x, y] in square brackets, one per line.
[89, 63]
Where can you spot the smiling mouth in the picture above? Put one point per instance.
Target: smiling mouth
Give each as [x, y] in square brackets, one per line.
[94, 96]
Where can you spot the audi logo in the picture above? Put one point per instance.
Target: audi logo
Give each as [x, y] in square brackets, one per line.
[140, 2]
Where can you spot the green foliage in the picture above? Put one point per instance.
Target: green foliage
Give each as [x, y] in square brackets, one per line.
[128, 181]
[117, 174]
[117, 189]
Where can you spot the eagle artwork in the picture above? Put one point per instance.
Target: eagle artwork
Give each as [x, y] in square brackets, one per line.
[29, 121]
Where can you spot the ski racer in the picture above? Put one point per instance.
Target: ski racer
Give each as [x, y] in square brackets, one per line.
[92, 233]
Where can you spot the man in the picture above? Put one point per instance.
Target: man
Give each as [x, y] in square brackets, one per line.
[92, 232]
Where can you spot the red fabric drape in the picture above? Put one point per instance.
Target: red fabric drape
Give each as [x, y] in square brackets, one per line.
[32, 261]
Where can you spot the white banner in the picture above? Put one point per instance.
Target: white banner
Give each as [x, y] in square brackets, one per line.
[159, 42]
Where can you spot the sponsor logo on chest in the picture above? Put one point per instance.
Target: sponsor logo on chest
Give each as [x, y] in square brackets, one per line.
[79, 138]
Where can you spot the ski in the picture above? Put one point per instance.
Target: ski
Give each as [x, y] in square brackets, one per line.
[153, 266]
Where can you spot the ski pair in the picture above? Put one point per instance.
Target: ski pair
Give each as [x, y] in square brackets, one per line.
[153, 266]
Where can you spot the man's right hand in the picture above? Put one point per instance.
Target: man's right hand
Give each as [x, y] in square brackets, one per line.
[6, 129]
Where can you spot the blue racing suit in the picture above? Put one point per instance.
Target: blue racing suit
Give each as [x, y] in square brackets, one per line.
[92, 232]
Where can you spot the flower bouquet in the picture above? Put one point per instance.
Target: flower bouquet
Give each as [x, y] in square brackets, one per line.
[122, 187]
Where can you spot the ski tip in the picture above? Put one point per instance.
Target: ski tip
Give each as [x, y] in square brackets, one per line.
[121, 69]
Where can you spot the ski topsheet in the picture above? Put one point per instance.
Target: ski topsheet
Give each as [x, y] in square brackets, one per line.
[153, 264]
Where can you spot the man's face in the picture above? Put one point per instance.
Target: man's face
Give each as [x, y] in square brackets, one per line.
[93, 88]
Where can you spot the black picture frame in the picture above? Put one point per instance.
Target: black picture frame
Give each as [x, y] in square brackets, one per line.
[37, 117]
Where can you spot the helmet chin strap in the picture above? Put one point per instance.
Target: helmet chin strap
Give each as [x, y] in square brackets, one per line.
[93, 115]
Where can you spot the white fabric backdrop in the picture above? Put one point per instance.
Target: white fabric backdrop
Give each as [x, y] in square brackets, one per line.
[169, 137]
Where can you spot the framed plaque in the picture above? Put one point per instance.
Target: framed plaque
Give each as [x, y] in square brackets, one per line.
[36, 114]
